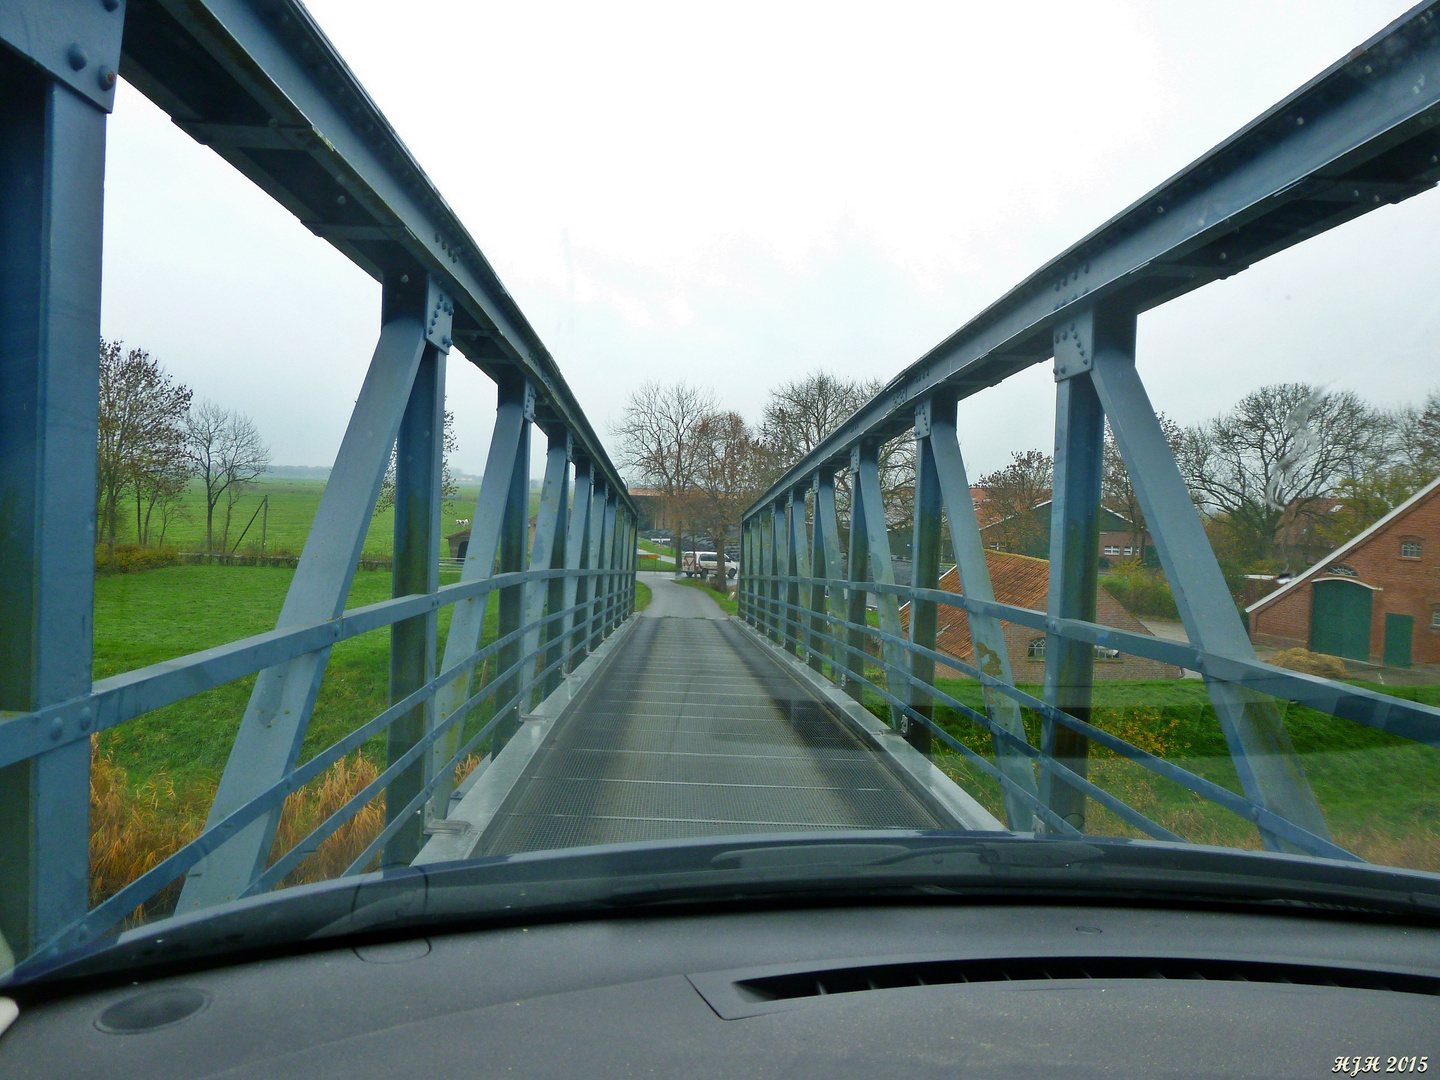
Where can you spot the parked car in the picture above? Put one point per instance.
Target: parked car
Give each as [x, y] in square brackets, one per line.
[702, 564]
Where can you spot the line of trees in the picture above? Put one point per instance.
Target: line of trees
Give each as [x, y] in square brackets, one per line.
[708, 463]
[154, 439]
[1289, 472]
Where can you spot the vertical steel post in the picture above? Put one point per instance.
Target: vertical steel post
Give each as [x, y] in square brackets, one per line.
[882, 572]
[577, 558]
[548, 543]
[855, 606]
[514, 547]
[1074, 566]
[52, 172]
[925, 573]
[1270, 770]
[780, 522]
[765, 606]
[555, 631]
[829, 565]
[268, 743]
[467, 622]
[986, 633]
[795, 550]
[605, 562]
[820, 650]
[419, 461]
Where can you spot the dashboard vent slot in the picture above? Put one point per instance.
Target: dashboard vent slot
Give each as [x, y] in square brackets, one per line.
[805, 984]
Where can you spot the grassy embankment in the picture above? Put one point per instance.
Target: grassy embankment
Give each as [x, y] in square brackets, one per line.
[155, 776]
[727, 602]
[1380, 794]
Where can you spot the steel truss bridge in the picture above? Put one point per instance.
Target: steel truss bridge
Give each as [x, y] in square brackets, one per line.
[738, 725]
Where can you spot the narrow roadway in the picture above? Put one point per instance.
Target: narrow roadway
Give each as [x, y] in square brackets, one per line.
[691, 729]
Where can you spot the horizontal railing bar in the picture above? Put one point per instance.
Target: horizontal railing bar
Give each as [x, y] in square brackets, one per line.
[123, 697]
[1198, 785]
[312, 841]
[1050, 764]
[112, 910]
[1395, 716]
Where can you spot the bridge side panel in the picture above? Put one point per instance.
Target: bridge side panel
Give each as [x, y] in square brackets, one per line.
[52, 169]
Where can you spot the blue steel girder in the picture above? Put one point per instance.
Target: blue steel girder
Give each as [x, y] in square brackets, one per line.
[75, 42]
[1362, 134]
[1270, 770]
[268, 743]
[52, 173]
[987, 636]
[261, 85]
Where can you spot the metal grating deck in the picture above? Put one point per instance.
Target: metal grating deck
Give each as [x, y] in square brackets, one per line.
[693, 731]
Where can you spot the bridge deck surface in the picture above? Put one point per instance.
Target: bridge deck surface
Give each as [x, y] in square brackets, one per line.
[693, 730]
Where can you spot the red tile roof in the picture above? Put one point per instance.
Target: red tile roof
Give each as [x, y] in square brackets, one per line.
[1020, 581]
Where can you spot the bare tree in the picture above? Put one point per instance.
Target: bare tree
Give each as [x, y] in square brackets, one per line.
[227, 453]
[800, 414]
[141, 432]
[1418, 439]
[1012, 493]
[798, 417]
[729, 473]
[656, 442]
[448, 488]
[1117, 494]
[1275, 455]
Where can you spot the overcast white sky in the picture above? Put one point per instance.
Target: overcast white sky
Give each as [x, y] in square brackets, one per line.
[739, 195]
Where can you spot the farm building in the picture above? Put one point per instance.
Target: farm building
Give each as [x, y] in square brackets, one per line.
[1375, 598]
[1024, 582]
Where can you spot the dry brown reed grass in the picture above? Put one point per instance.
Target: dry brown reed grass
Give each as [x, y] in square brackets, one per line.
[316, 801]
[133, 829]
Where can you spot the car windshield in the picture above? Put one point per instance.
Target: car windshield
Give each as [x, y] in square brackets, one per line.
[1128, 579]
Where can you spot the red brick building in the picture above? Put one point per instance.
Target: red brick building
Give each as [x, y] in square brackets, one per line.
[1374, 598]
[1025, 582]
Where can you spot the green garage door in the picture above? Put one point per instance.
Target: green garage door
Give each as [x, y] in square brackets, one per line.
[1398, 630]
[1340, 619]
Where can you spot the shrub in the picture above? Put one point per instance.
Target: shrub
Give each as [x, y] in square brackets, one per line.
[134, 830]
[1140, 590]
[130, 558]
[1311, 663]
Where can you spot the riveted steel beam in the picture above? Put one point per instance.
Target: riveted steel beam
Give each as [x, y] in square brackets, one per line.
[228, 71]
[268, 743]
[1074, 551]
[52, 174]
[987, 635]
[1270, 770]
[1304, 166]
[419, 462]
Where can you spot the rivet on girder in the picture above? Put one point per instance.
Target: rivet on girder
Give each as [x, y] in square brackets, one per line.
[106, 78]
[76, 58]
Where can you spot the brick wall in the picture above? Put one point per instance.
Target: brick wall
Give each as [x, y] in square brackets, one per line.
[1404, 586]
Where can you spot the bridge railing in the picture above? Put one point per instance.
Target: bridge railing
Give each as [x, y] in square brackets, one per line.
[1364, 133]
[258, 82]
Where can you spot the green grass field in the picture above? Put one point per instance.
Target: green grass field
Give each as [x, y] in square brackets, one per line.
[1380, 794]
[292, 506]
[145, 618]
[727, 603]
